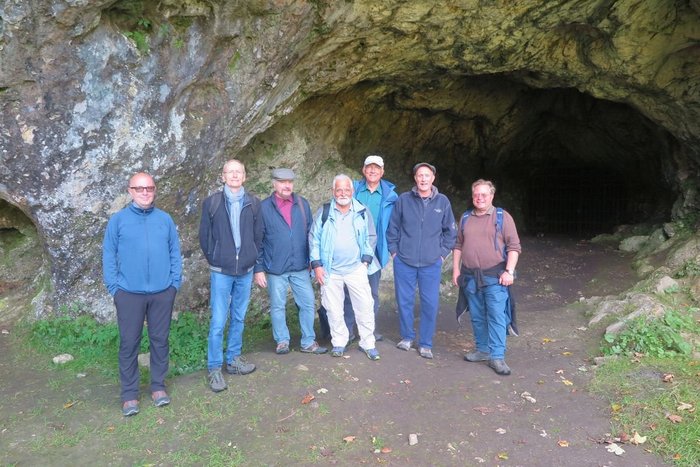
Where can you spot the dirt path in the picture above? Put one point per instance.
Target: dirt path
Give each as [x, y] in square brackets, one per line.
[462, 413]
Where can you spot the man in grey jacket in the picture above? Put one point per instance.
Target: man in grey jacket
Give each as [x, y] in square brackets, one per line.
[420, 236]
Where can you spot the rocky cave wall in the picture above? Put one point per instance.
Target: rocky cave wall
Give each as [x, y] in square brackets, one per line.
[93, 91]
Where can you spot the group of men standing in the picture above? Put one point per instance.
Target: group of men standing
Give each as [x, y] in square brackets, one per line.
[279, 245]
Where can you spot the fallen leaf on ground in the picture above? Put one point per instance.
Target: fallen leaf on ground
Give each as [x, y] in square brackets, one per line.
[677, 457]
[349, 439]
[674, 418]
[546, 340]
[668, 378]
[559, 372]
[582, 328]
[567, 382]
[501, 431]
[69, 404]
[615, 408]
[503, 455]
[322, 391]
[528, 397]
[615, 449]
[386, 450]
[543, 434]
[308, 398]
[566, 354]
[480, 460]
[685, 406]
[638, 439]
[563, 443]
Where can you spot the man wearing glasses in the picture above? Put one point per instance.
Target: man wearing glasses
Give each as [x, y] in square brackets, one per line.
[142, 270]
[230, 235]
[485, 255]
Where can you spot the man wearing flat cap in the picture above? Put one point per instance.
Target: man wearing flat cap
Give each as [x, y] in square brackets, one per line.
[283, 261]
[420, 236]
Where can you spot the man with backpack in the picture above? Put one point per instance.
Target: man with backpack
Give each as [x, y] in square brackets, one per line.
[230, 235]
[485, 257]
[341, 251]
[378, 196]
[283, 261]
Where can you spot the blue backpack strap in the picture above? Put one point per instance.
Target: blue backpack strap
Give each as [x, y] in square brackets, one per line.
[499, 231]
[465, 216]
[499, 227]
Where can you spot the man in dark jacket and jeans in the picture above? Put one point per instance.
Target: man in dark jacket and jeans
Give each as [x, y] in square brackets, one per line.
[230, 235]
[285, 258]
[420, 236]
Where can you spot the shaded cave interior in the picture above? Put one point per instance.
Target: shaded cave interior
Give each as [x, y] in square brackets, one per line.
[563, 161]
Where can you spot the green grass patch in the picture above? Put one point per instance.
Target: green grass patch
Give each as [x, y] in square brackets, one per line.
[95, 346]
[644, 399]
[658, 337]
[654, 387]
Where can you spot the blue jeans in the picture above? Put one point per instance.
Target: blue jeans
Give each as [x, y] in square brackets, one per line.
[487, 309]
[303, 294]
[427, 278]
[229, 301]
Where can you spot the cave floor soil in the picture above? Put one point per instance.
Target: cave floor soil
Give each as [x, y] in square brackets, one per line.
[300, 409]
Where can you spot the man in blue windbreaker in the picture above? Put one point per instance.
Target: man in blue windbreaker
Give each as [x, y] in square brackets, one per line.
[142, 270]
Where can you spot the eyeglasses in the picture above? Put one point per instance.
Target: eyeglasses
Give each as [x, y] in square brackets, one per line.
[481, 195]
[139, 189]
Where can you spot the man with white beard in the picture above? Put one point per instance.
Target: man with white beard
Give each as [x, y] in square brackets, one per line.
[341, 245]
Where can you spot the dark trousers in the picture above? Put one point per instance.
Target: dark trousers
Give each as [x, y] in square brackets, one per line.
[349, 313]
[132, 308]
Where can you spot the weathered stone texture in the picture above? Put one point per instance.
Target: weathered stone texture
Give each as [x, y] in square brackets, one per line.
[82, 107]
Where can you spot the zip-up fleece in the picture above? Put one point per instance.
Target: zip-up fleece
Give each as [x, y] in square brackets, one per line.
[216, 237]
[421, 232]
[284, 248]
[141, 251]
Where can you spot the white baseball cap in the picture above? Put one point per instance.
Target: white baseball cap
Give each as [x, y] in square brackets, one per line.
[374, 160]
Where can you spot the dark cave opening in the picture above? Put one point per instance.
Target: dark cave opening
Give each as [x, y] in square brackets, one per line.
[563, 161]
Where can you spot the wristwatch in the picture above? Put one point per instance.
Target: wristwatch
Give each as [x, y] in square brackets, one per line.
[511, 272]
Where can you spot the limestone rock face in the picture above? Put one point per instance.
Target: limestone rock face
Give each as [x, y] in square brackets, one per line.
[91, 92]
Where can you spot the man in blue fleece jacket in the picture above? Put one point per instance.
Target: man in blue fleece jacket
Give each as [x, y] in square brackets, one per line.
[421, 234]
[142, 270]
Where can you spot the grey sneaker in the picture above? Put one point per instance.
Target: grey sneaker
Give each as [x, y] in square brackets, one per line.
[499, 366]
[477, 356]
[314, 348]
[239, 366]
[425, 353]
[405, 344]
[217, 383]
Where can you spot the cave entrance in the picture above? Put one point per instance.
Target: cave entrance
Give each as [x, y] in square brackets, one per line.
[575, 201]
[564, 162]
[23, 272]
